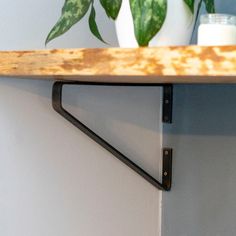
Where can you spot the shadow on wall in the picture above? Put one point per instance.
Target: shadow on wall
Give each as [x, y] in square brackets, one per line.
[204, 110]
[40, 88]
[203, 136]
[138, 106]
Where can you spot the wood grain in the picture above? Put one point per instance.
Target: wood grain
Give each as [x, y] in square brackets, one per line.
[189, 64]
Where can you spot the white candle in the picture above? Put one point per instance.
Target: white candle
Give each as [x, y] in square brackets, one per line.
[217, 29]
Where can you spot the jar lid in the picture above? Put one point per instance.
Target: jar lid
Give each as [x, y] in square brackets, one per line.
[223, 19]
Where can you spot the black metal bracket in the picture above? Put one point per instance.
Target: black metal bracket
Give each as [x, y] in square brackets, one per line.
[167, 118]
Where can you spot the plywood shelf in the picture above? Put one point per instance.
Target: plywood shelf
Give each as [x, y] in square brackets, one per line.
[189, 64]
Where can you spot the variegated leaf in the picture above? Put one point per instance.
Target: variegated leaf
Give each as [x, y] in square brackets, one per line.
[72, 12]
[210, 6]
[112, 7]
[148, 17]
[190, 4]
[93, 25]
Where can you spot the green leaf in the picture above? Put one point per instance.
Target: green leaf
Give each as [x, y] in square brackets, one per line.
[190, 4]
[93, 25]
[210, 6]
[112, 7]
[148, 17]
[72, 12]
[197, 15]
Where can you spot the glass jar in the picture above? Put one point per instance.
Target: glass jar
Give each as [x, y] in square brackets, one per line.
[217, 29]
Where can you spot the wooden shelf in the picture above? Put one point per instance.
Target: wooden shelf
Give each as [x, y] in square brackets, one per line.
[189, 64]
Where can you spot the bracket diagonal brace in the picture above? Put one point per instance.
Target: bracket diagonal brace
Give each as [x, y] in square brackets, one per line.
[167, 112]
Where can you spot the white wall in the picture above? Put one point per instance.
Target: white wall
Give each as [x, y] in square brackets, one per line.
[53, 179]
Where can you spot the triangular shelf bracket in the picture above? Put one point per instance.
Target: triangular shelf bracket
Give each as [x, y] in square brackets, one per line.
[167, 118]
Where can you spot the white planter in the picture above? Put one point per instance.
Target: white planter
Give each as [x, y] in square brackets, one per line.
[176, 30]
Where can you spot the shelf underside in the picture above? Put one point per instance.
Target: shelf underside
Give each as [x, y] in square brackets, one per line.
[188, 64]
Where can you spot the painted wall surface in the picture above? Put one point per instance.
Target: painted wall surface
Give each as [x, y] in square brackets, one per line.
[53, 179]
[203, 136]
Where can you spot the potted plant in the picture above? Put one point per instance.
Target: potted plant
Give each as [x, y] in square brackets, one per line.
[138, 22]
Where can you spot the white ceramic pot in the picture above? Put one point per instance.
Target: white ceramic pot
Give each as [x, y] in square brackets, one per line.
[176, 30]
